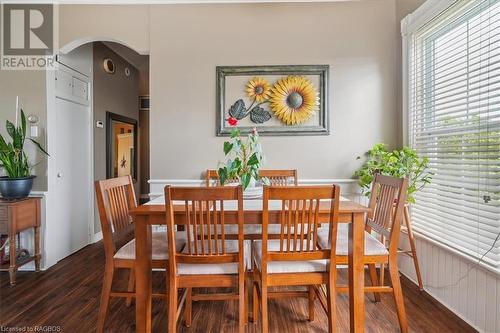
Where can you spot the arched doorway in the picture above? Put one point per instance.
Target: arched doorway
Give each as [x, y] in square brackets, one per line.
[95, 77]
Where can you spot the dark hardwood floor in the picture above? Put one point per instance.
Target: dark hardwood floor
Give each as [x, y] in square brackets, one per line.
[65, 298]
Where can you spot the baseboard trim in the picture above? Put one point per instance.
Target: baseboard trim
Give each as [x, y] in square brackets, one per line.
[97, 237]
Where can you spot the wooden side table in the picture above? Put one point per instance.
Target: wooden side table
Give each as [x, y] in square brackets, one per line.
[17, 216]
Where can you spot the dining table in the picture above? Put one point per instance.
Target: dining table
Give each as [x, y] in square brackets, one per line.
[153, 214]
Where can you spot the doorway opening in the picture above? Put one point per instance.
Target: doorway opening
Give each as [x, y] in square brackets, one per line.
[98, 128]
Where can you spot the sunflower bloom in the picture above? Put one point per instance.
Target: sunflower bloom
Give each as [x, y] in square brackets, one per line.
[259, 89]
[294, 100]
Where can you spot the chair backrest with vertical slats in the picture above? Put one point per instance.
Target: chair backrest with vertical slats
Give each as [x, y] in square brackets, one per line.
[212, 178]
[115, 198]
[299, 221]
[387, 200]
[205, 212]
[280, 177]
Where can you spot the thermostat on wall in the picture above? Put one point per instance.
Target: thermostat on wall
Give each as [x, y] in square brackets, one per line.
[99, 124]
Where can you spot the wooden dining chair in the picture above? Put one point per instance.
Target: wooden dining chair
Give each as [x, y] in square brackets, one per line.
[280, 177]
[276, 178]
[387, 192]
[212, 178]
[208, 260]
[115, 197]
[294, 259]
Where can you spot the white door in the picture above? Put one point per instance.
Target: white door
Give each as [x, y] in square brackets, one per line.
[73, 174]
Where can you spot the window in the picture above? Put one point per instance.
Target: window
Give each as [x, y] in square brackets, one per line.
[453, 100]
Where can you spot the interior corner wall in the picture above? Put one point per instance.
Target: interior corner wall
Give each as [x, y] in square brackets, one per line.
[116, 93]
[30, 86]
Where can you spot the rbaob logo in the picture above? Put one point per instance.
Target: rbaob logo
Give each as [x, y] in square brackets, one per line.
[28, 39]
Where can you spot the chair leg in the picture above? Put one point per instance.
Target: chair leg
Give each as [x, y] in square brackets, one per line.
[374, 279]
[255, 305]
[241, 302]
[246, 301]
[382, 274]
[105, 295]
[172, 305]
[312, 298]
[398, 296]
[263, 306]
[332, 307]
[188, 309]
[413, 247]
[131, 285]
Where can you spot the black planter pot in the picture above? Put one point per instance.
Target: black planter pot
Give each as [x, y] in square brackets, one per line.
[16, 188]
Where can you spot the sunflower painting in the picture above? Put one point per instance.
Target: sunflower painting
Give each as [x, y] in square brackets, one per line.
[259, 89]
[294, 100]
[277, 100]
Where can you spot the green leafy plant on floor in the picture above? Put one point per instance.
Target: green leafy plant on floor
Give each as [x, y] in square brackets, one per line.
[400, 163]
[13, 158]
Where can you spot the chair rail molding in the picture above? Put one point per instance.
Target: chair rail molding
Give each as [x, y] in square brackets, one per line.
[349, 187]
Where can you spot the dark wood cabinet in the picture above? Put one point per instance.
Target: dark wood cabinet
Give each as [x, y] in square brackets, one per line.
[17, 216]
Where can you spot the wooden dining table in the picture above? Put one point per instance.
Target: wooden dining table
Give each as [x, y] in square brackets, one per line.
[153, 213]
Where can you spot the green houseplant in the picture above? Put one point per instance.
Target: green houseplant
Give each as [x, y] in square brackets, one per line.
[404, 162]
[244, 158]
[13, 159]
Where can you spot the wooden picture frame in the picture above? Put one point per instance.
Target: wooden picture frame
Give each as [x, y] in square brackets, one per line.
[226, 73]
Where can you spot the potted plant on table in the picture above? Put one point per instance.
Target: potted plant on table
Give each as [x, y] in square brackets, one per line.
[404, 162]
[18, 182]
[244, 158]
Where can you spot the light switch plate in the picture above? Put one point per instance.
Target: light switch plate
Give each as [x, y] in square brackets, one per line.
[99, 124]
[34, 131]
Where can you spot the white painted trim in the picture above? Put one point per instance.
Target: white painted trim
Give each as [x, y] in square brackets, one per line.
[301, 181]
[97, 237]
[443, 303]
[42, 194]
[423, 14]
[411, 23]
[48, 257]
[90, 39]
[348, 186]
[472, 260]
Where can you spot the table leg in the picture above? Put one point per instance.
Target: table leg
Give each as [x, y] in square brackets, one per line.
[356, 273]
[12, 259]
[143, 275]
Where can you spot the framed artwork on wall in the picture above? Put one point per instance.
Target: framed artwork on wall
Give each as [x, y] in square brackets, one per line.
[277, 100]
[121, 146]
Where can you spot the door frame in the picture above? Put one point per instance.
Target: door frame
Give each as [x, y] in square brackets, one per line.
[51, 221]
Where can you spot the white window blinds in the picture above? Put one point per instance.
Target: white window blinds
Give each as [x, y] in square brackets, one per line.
[454, 120]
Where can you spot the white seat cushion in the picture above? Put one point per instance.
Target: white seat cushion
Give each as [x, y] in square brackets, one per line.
[253, 229]
[306, 266]
[159, 247]
[373, 247]
[228, 268]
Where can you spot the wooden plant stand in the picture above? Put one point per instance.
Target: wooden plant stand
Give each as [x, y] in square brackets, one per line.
[17, 216]
[412, 253]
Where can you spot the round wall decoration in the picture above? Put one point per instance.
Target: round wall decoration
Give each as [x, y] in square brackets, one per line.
[127, 71]
[109, 66]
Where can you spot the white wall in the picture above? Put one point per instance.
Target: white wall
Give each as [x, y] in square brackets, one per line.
[475, 298]
[357, 40]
